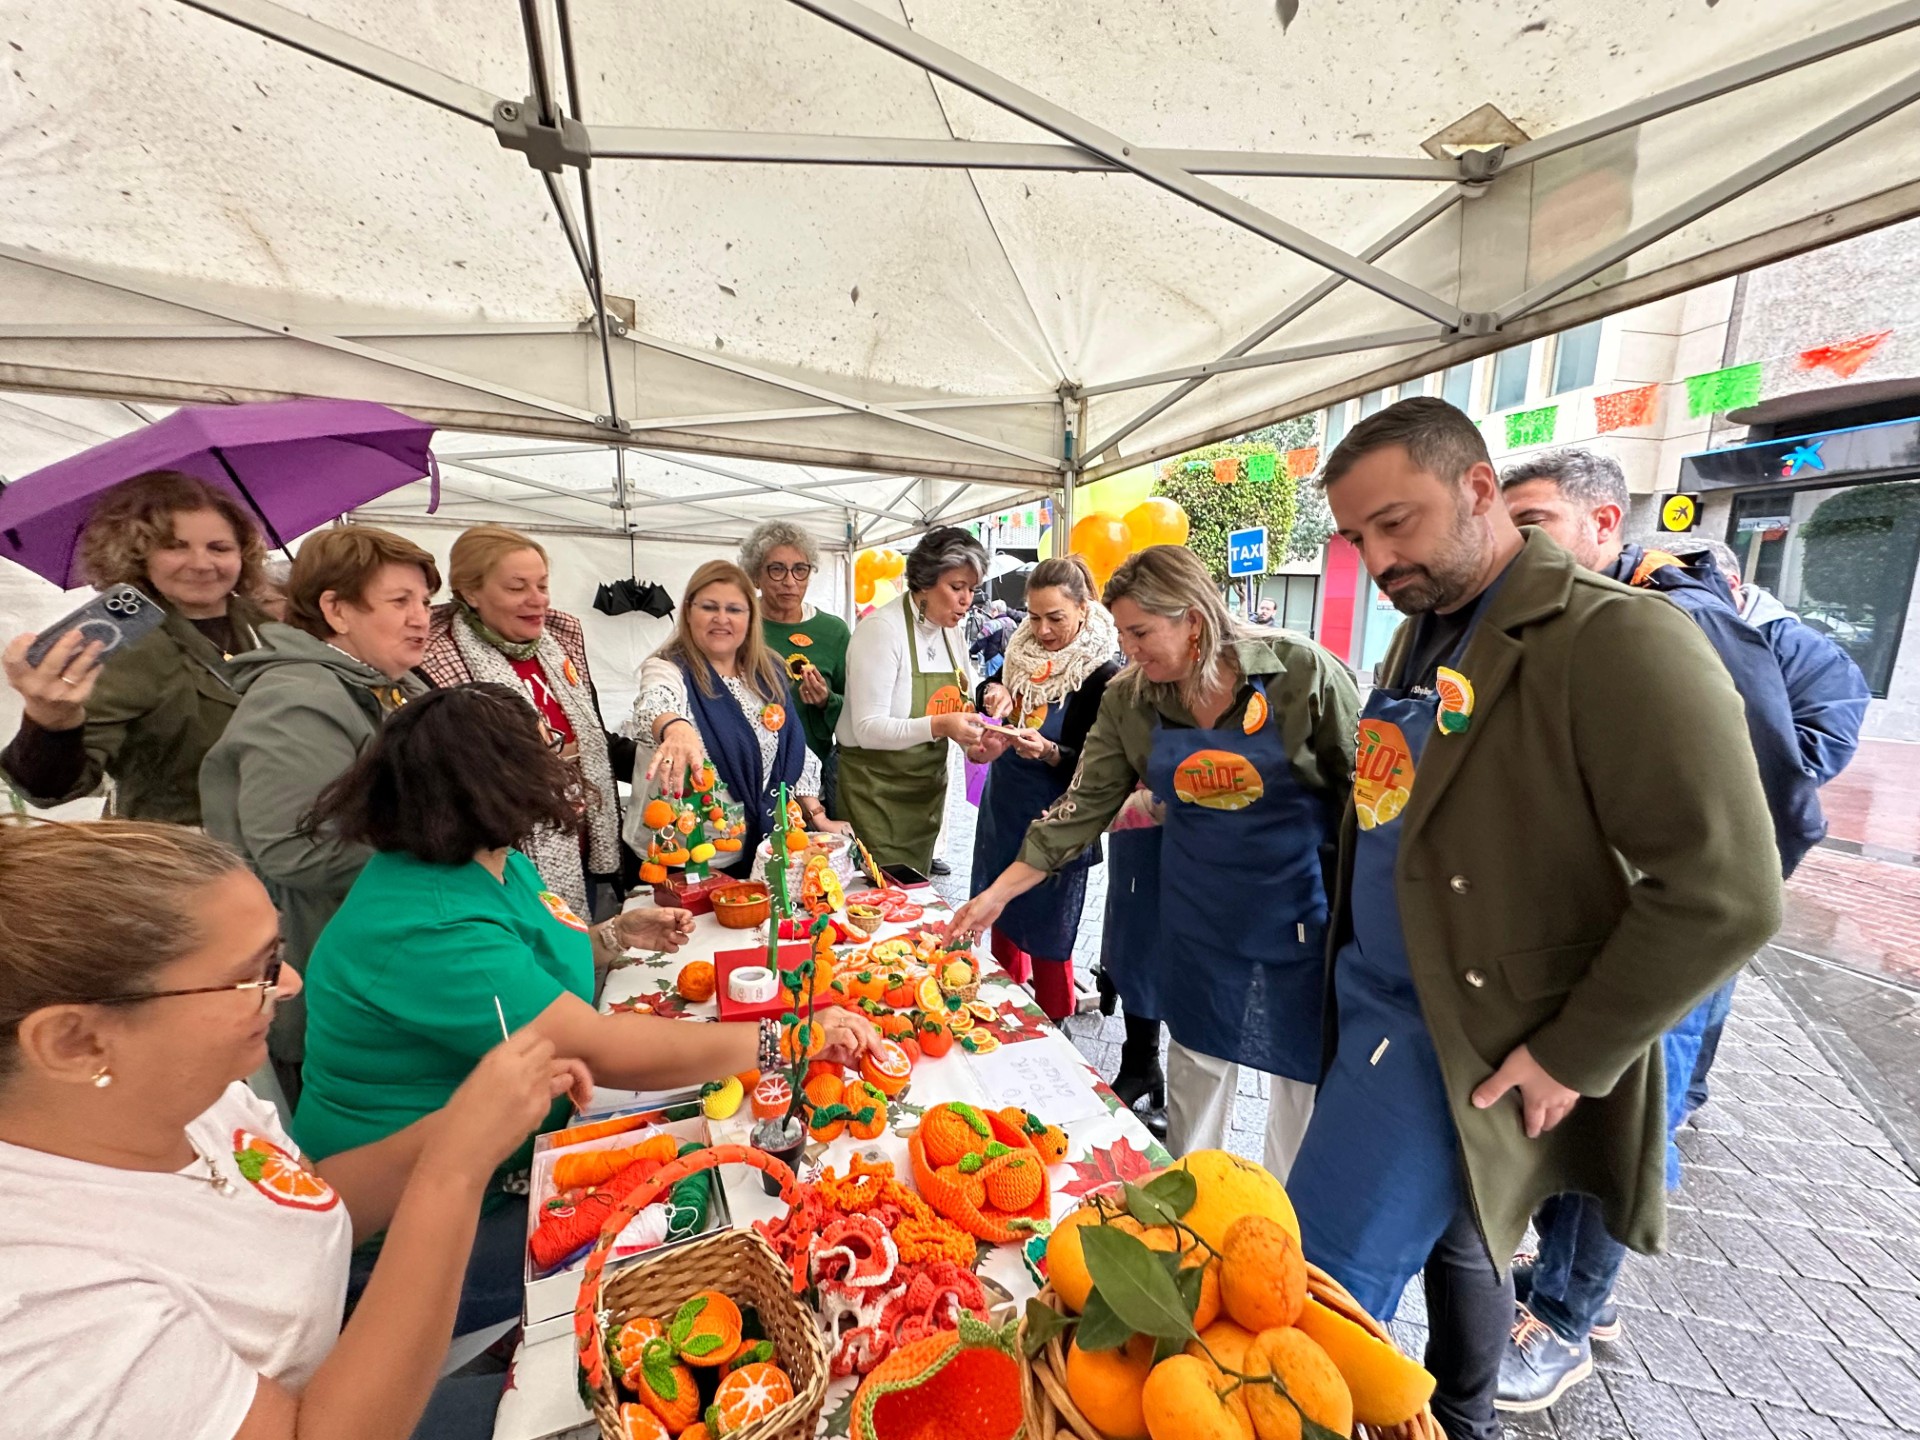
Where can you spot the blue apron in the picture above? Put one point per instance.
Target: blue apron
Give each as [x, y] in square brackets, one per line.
[1240, 971]
[1130, 938]
[1044, 921]
[1379, 1175]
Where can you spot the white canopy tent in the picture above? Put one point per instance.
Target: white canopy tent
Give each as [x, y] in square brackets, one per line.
[992, 249]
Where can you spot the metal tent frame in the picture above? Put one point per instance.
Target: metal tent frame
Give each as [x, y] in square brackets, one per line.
[1459, 276]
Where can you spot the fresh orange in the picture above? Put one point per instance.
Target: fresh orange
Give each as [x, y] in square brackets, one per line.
[696, 981]
[1388, 1389]
[1313, 1387]
[658, 815]
[1263, 1276]
[1106, 1386]
[1187, 1399]
[1224, 1342]
[711, 1330]
[1228, 1187]
[751, 1393]
[1066, 1259]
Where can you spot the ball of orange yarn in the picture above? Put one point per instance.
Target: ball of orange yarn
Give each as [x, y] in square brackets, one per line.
[696, 981]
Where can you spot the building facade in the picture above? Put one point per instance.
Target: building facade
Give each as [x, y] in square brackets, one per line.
[1814, 481]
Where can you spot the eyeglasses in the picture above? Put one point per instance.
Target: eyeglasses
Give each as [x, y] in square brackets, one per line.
[777, 571]
[713, 607]
[268, 985]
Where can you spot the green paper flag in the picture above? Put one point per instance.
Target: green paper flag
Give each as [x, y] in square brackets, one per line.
[1718, 390]
[1260, 467]
[1532, 427]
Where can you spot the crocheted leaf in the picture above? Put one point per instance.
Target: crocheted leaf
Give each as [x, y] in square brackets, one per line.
[996, 1148]
[976, 1122]
[970, 1163]
[701, 1345]
[682, 1329]
[656, 1366]
[1141, 1293]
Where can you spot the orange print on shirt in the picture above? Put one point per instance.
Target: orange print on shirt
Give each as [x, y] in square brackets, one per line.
[1382, 773]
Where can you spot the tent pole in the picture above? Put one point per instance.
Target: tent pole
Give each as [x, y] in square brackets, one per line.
[1073, 419]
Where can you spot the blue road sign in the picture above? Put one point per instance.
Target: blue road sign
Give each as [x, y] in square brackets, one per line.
[1247, 552]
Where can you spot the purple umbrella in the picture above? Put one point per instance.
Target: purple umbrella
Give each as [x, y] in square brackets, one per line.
[296, 464]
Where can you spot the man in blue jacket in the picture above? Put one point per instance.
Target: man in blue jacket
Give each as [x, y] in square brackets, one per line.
[1828, 693]
[1579, 497]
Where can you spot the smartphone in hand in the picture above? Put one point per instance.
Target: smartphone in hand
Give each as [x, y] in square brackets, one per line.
[115, 617]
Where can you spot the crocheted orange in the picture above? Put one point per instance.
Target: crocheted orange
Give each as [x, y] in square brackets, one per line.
[750, 1393]
[1013, 1181]
[825, 1087]
[866, 1110]
[886, 1069]
[957, 1190]
[1049, 1140]
[637, 1422]
[953, 1383]
[706, 1330]
[696, 981]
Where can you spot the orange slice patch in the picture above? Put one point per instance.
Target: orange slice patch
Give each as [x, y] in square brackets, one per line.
[279, 1176]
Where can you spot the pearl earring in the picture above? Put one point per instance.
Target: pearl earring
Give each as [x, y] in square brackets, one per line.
[102, 1078]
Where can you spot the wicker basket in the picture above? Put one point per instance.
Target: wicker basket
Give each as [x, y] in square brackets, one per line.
[1051, 1414]
[742, 906]
[738, 1263]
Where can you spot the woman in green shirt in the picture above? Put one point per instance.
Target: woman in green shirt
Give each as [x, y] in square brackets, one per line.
[782, 560]
[446, 923]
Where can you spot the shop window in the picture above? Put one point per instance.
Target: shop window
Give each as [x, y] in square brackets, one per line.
[1510, 376]
[1456, 386]
[1576, 358]
[1842, 559]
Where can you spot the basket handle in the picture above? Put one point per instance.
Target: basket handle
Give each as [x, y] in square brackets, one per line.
[586, 1310]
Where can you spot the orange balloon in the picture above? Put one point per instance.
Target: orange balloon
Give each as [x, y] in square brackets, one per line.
[866, 567]
[1158, 521]
[895, 566]
[1103, 539]
[862, 587]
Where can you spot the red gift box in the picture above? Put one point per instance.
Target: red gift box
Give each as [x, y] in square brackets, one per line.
[695, 896]
[725, 962]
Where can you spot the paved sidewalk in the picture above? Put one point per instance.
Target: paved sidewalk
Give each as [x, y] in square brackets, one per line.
[1789, 1307]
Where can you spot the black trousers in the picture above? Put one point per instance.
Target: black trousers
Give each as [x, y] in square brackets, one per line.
[1470, 1315]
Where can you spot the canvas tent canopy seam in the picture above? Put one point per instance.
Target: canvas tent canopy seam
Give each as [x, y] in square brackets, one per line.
[714, 261]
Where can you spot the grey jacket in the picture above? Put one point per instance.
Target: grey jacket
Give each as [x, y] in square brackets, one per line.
[305, 711]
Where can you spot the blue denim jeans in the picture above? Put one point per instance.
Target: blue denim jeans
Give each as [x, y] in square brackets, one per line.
[1718, 1008]
[1579, 1261]
[494, 1286]
[462, 1408]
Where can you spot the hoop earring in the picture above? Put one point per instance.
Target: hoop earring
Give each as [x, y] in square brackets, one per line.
[102, 1078]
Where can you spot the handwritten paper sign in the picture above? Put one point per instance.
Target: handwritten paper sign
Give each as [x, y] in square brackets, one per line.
[1046, 1076]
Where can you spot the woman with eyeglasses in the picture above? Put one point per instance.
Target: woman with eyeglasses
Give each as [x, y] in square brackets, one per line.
[715, 692]
[812, 643]
[175, 1268]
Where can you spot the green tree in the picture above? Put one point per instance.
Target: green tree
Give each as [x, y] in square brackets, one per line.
[1292, 509]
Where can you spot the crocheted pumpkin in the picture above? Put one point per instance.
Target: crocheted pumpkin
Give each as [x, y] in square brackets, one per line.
[964, 1382]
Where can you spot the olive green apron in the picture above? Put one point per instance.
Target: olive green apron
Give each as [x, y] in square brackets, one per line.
[895, 798]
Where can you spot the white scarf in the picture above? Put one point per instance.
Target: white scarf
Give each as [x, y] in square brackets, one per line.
[555, 853]
[1036, 676]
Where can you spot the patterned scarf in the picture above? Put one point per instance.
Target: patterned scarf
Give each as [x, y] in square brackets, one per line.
[555, 853]
[512, 649]
[1037, 676]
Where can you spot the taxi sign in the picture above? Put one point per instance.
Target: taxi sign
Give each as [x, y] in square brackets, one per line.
[1678, 512]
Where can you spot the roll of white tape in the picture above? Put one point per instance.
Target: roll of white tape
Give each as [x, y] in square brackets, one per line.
[752, 985]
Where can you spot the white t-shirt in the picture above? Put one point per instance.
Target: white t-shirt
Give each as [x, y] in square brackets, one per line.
[880, 678]
[145, 1304]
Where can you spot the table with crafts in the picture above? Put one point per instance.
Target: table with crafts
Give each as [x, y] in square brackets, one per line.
[1033, 1066]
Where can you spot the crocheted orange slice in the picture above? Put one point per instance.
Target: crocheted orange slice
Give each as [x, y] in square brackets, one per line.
[637, 1422]
[750, 1393]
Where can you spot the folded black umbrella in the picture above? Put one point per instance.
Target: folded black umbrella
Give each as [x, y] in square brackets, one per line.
[632, 596]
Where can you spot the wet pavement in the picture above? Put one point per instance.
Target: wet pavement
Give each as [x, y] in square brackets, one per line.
[1788, 1307]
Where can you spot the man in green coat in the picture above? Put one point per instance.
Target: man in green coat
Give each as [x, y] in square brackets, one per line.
[1558, 845]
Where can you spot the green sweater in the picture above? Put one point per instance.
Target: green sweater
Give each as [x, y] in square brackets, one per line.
[1313, 700]
[822, 639]
[401, 988]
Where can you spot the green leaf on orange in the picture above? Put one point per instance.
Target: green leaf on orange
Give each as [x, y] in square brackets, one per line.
[1133, 1282]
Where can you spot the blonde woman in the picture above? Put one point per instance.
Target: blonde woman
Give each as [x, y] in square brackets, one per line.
[1246, 737]
[501, 627]
[715, 691]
